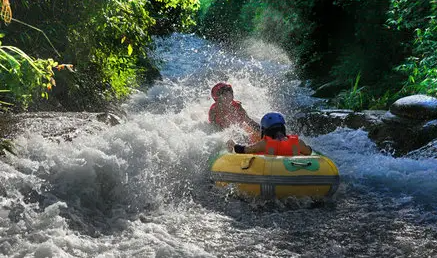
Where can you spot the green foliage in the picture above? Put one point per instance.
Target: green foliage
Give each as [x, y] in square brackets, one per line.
[107, 41]
[408, 15]
[24, 78]
[203, 9]
[352, 98]
[220, 19]
[333, 39]
[421, 67]
[381, 102]
[119, 72]
[285, 23]
[369, 47]
[116, 34]
[4, 104]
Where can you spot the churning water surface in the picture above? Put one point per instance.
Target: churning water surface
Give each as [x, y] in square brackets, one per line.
[141, 188]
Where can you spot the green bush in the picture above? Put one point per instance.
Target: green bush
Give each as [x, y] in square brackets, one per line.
[329, 40]
[220, 20]
[118, 35]
[23, 78]
[288, 25]
[353, 98]
[421, 67]
[106, 41]
[285, 23]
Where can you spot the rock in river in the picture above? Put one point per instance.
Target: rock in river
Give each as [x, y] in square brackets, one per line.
[420, 107]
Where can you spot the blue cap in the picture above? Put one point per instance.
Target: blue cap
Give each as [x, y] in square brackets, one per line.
[272, 119]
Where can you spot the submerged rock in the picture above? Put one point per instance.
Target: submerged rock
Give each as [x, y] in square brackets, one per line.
[404, 134]
[425, 152]
[408, 125]
[326, 121]
[109, 119]
[395, 120]
[391, 133]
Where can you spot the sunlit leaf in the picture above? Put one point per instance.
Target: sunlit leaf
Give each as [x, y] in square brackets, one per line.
[129, 49]
[6, 103]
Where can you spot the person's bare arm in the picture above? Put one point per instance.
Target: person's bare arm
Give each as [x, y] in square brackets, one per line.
[250, 121]
[255, 126]
[254, 148]
[304, 149]
[211, 118]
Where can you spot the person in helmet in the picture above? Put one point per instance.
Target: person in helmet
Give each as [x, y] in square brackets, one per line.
[226, 111]
[274, 140]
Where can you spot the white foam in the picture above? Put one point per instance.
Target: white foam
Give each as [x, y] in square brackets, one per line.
[360, 162]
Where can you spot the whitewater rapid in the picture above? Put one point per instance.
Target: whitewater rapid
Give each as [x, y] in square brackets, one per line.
[141, 188]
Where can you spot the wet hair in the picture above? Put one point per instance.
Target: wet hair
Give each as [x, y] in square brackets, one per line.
[274, 132]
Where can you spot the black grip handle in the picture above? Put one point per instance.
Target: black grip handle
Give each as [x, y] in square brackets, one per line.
[300, 164]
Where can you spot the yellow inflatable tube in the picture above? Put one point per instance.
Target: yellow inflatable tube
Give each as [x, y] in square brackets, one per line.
[276, 176]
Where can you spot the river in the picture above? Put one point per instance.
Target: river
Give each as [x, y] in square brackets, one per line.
[141, 188]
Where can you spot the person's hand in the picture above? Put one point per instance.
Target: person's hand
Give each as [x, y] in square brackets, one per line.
[230, 145]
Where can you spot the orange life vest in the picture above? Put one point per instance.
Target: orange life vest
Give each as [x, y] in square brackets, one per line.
[288, 147]
[234, 116]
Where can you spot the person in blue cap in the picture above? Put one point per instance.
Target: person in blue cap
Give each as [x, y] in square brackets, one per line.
[274, 140]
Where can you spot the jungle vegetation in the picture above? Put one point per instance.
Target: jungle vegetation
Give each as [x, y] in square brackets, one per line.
[81, 55]
[370, 52]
